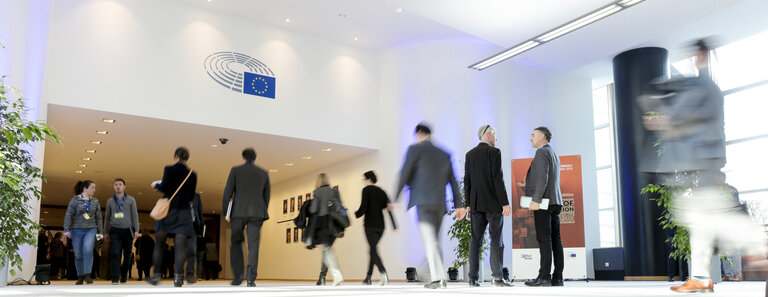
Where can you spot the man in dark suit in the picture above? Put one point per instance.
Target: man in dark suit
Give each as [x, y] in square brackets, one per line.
[488, 202]
[543, 181]
[426, 171]
[248, 189]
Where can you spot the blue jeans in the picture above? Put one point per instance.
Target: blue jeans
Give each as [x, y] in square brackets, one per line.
[83, 240]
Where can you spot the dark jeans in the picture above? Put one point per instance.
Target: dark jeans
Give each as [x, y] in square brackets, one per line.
[479, 220]
[180, 248]
[550, 246]
[253, 227]
[120, 241]
[373, 236]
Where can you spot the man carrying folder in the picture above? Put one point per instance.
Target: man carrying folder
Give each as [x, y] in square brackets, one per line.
[244, 205]
[543, 182]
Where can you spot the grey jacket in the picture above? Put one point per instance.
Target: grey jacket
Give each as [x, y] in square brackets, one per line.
[130, 219]
[695, 137]
[321, 196]
[74, 217]
[543, 177]
[426, 171]
[248, 187]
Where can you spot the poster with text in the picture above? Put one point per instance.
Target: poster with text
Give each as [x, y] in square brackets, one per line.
[572, 215]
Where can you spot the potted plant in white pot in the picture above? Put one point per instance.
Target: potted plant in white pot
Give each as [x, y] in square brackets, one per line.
[19, 179]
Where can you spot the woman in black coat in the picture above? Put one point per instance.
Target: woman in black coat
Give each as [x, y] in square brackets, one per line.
[179, 218]
[374, 201]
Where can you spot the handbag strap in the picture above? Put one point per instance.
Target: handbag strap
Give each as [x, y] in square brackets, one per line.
[182, 184]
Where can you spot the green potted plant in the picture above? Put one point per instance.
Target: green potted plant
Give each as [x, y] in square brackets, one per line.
[19, 179]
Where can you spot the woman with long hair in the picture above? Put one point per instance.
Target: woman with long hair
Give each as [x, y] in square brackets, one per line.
[182, 181]
[82, 223]
[324, 201]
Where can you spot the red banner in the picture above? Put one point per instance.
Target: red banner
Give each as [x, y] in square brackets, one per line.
[572, 216]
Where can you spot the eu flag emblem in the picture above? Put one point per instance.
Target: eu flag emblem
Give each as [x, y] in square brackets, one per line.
[259, 85]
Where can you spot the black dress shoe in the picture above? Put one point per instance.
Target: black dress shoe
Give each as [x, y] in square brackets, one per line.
[191, 279]
[178, 280]
[321, 281]
[557, 283]
[436, 285]
[88, 278]
[237, 281]
[251, 283]
[80, 280]
[501, 283]
[154, 279]
[367, 281]
[474, 283]
[539, 282]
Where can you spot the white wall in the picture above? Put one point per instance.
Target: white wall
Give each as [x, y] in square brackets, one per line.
[146, 58]
[23, 33]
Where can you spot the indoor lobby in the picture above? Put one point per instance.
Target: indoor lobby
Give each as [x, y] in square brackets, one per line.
[337, 87]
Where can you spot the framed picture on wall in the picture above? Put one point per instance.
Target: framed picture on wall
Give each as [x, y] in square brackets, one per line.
[336, 187]
[293, 204]
[303, 234]
[288, 235]
[285, 206]
[295, 234]
[309, 196]
[299, 203]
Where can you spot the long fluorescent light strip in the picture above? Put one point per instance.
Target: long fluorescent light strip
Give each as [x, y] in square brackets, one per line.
[566, 28]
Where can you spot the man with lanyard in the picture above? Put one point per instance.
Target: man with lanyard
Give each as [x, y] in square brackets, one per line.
[122, 222]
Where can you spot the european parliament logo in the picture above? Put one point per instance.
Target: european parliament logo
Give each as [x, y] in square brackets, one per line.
[241, 73]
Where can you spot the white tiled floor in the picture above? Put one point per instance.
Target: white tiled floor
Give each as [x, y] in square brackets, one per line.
[290, 289]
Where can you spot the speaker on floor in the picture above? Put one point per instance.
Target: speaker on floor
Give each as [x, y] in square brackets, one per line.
[411, 275]
[43, 274]
[609, 263]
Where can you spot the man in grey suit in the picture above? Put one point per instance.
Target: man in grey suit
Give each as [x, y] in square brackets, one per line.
[426, 171]
[543, 181]
[248, 189]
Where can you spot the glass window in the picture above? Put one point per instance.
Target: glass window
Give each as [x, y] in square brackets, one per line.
[745, 113]
[746, 163]
[684, 67]
[600, 106]
[757, 205]
[605, 189]
[603, 147]
[742, 62]
[607, 231]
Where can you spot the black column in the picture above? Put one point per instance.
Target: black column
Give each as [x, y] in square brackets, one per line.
[643, 238]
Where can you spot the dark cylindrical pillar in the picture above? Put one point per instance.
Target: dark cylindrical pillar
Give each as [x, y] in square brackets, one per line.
[643, 238]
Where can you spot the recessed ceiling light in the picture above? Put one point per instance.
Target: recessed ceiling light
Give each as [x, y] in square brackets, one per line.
[78, 171]
[106, 120]
[139, 193]
[356, 38]
[82, 165]
[201, 192]
[86, 159]
[288, 164]
[213, 211]
[90, 151]
[214, 146]
[327, 149]
[306, 157]
[95, 142]
[209, 0]
[102, 132]
[273, 170]
[398, 10]
[287, 20]
[45, 212]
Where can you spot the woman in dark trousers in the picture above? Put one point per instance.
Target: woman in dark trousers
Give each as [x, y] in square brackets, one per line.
[324, 232]
[374, 201]
[82, 223]
[57, 255]
[179, 218]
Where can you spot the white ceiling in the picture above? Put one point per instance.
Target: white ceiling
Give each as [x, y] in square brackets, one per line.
[504, 23]
[136, 149]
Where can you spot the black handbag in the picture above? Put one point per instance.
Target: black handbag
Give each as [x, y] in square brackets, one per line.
[338, 215]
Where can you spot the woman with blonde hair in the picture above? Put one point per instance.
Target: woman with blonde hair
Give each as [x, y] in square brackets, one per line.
[325, 201]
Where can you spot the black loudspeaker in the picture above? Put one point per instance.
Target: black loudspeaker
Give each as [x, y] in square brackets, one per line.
[608, 263]
[411, 275]
[505, 273]
[43, 274]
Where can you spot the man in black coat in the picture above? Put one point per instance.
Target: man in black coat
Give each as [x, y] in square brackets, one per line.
[248, 190]
[426, 171]
[488, 202]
